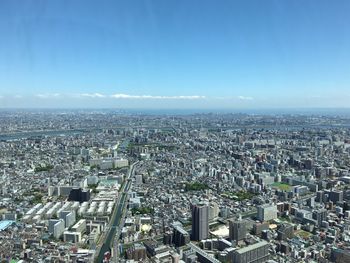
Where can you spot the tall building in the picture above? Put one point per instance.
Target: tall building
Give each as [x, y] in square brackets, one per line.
[267, 212]
[56, 227]
[213, 211]
[180, 236]
[238, 230]
[136, 252]
[336, 196]
[285, 231]
[78, 194]
[200, 222]
[339, 255]
[256, 253]
[319, 215]
[259, 227]
[68, 217]
[139, 179]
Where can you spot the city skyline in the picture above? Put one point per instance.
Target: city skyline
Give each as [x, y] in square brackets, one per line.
[174, 54]
[104, 186]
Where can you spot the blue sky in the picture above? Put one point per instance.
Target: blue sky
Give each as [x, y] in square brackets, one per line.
[175, 53]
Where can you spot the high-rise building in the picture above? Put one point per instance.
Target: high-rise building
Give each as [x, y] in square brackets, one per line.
[336, 196]
[339, 255]
[78, 194]
[267, 212]
[136, 252]
[238, 230]
[285, 231]
[180, 236]
[200, 222]
[68, 217]
[213, 211]
[56, 227]
[319, 215]
[168, 238]
[259, 227]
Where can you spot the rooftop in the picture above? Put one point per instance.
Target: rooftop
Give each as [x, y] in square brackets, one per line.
[5, 224]
[251, 247]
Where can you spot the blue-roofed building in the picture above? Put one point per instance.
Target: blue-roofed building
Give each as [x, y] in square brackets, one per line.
[4, 224]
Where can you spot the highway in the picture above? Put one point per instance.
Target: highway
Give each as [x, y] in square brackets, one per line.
[116, 217]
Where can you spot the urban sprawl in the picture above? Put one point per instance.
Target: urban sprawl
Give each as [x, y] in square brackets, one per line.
[112, 186]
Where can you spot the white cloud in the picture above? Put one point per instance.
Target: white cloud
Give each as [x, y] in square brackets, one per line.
[41, 96]
[127, 96]
[245, 98]
[93, 95]
[234, 98]
[48, 95]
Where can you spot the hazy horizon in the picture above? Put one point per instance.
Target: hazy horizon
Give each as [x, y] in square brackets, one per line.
[189, 111]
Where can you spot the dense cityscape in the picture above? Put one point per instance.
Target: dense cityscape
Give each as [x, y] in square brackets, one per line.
[115, 186]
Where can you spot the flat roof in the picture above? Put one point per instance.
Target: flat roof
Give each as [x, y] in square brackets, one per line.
[80, 222]
[254, 246]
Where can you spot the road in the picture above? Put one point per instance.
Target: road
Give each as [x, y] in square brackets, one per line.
[116, 217]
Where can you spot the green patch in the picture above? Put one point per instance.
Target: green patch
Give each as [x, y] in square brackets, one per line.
[94, 166]
[142, 210]
[285, 219]
[37, 198]
[281, 186]
[303, 234]
[196, 186]
[93, 188]
[133, 144]
[119, 168]
[167, 147]
[46, 168]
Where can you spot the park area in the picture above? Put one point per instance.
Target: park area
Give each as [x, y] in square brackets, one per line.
[281, 186]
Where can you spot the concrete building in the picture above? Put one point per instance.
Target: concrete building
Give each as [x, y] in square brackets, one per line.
[80, 226]
[138, 179]
[72, 237]
[256, 253]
